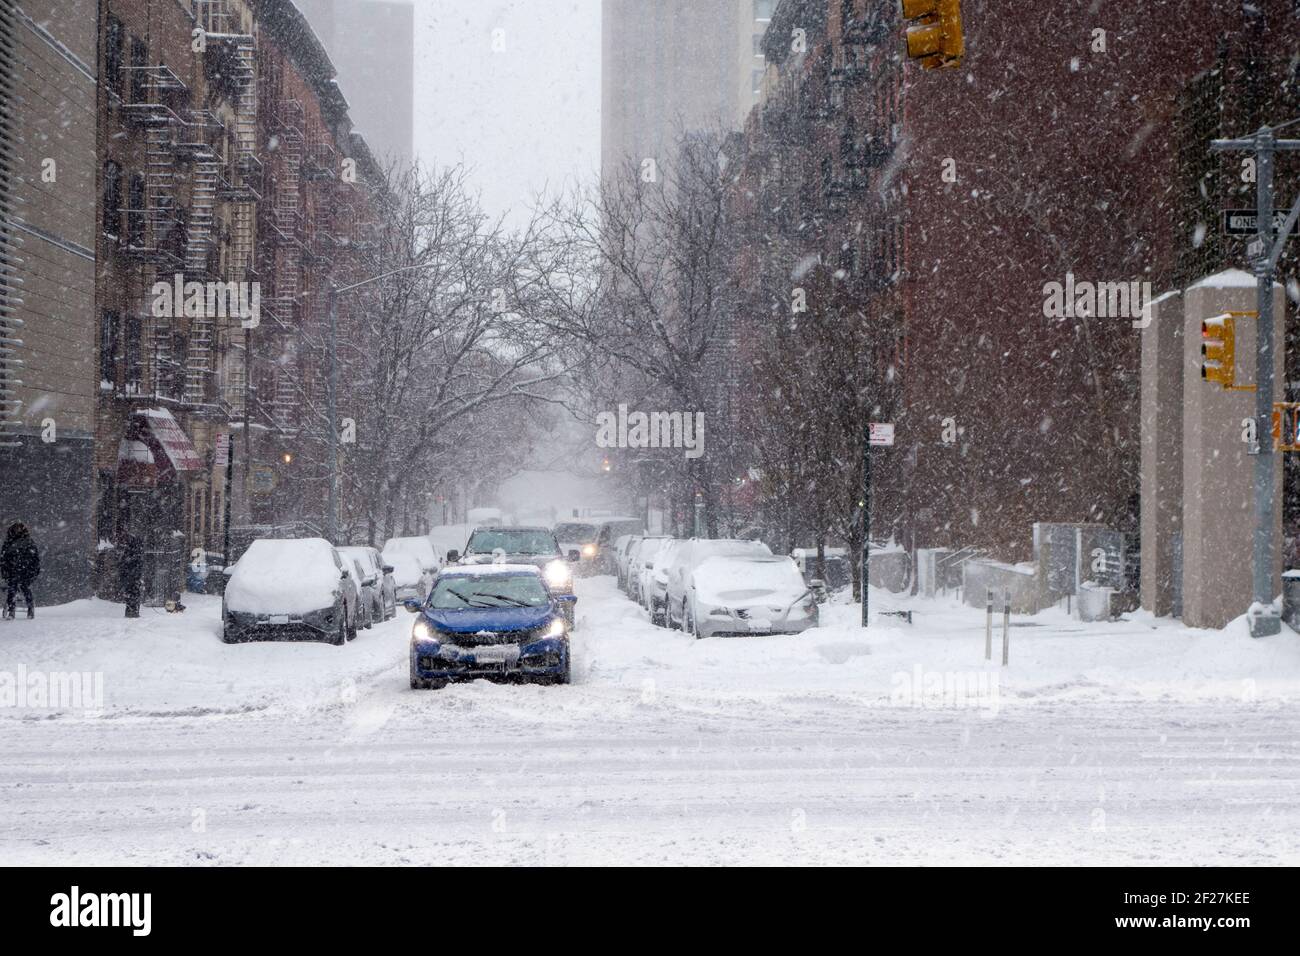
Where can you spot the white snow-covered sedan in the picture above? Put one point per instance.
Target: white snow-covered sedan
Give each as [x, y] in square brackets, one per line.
[743, 595]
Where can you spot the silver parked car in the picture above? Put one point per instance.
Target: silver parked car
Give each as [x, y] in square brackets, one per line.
[379, 589]
[743, 595]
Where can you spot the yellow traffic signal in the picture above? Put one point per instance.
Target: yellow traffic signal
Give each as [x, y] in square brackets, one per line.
[937, 38]
[1218, 350]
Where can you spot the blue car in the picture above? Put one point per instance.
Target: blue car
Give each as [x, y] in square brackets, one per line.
[496, 621]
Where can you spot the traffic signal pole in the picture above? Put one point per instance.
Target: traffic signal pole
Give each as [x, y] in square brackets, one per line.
[1263, 618]
[866, 519]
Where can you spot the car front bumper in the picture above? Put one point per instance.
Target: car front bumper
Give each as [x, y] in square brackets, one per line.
[272, 627]
[434, 660]
[713, 626]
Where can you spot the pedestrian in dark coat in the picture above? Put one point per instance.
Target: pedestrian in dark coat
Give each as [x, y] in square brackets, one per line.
[130, 573]
[20, 564]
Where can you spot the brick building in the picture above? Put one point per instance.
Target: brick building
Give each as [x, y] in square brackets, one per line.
[938, 205]
[312, 226]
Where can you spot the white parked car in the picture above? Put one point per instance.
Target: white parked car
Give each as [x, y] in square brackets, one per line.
[418, 547]
[623, 545]
[640, 561]
[688, 557]
[748, 595]
[378, 589]
[654, 581]
[410, 580]
[299, 587]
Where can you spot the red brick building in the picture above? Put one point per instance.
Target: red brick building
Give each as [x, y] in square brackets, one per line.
[937, 205]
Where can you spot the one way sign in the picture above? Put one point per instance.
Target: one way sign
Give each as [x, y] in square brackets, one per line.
[1244, 222]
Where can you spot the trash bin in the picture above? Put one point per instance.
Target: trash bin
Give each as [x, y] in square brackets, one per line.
[1291, 599]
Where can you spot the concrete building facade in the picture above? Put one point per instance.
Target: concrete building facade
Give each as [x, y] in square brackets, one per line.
[676, 66]
[47, 283]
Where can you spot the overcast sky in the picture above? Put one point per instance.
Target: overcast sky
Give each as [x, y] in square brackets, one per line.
[524, 116]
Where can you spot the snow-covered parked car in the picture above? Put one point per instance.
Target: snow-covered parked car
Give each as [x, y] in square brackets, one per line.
[379, 589]
[623, 546]
[640, 561]
[689, 555]
[286, 588]
[737, 595]
[654, 581]
[417, 546]
[492, 621]
[410, 580]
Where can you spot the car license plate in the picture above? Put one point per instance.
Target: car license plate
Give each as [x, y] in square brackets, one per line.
[497, 654]
[760, 627]
[279, 618]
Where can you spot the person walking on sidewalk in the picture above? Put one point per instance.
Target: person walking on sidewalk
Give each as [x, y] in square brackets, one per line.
[20, 564]
[130, 573]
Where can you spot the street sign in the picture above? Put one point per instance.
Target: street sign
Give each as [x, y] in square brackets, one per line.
[1245, 222]
[1255, 248]
[262, 480]
[882, 433]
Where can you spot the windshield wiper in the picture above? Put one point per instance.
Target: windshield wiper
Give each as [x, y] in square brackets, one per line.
[505, 597]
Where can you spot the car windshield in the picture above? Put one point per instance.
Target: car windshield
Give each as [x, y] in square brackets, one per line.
[577, 533]
[512, 542]
[459, 591]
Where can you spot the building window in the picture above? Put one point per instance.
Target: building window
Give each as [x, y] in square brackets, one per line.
[131, 353]
[763, 9]
[139, 71]
[135, 212]
[107, 345]
[114, 37]
[112, 199]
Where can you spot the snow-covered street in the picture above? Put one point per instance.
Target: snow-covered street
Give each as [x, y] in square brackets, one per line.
[1136, 742]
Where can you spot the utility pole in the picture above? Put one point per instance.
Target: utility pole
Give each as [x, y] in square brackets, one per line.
[1264, 252]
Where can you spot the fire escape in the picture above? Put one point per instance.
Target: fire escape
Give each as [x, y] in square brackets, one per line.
[155, 228]
[236, 181]
[286, 221]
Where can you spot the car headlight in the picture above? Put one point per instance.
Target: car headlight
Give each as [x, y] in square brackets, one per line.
[421, 631]
[558, 575]
[556, 629]
[588, 550]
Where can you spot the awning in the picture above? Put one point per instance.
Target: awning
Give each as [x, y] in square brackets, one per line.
[155, 449]
[175, 443]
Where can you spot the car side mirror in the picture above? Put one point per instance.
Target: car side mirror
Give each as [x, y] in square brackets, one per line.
[574, 556]
[453, 556]
[412, 605]
[567, 598]
[388, 569]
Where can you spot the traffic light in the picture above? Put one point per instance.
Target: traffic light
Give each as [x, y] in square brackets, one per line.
[1218, 350]
[936, 39]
